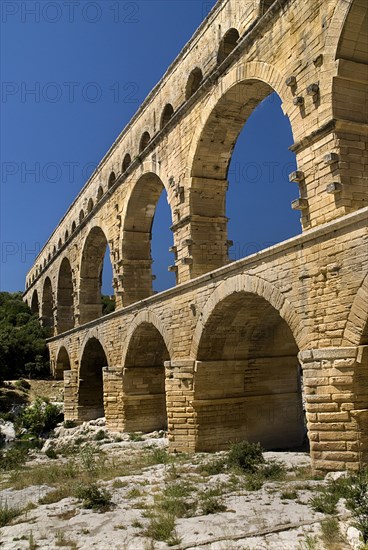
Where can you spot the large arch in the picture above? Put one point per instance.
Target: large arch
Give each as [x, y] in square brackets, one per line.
[247, 382]
[91, 266]
[65, 298]
[136, 238]
[90, 384]
[62, 363]
[223, 118]
[35, 306]
[144, 379]
[47, 310]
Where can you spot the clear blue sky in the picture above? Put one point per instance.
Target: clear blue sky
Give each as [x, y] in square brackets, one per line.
[73, 74]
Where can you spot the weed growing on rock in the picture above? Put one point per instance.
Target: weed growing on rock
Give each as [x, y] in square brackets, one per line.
[246, 456]
[8, 513]
[94, 497]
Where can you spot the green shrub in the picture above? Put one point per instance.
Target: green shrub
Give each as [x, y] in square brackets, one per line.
[40, 417]
[246, 456]
[7, 514]
[357, 502]
[135, 437]
[94, 497]
[100, 435]
[13, 458]
[324, 502]
[69, 424]
[213, 467]
[51, 453]
[22, 384]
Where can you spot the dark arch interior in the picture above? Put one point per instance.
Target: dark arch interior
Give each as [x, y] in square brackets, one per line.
[247, 383]
[112, 180]
[136, 243]
[81, 216]
[227, 44]
[194, 82]
[99, 194]
[60, 244]
[35, 306]
[47, 305]
[145, 139]
[74, 227]
[66, 235]
[167, 113]
[126, 162]
[90, 206]
[91, 275]
[65, 301]
[90, 394]
[144, 376]
[62, 363]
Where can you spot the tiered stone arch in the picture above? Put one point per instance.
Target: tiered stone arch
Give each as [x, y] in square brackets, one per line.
[62, 363]
[93, 359]
[221, 121]
[65, 297]
[137, 220]
[35, 305]
[90, 280]
[245, 350]
[47, 308]
[144, 358]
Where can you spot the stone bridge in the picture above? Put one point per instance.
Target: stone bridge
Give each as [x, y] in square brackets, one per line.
[235, 350]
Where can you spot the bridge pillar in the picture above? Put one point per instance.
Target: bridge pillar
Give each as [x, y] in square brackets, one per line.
[113, 402]
[200, 235]
[336, 400]
[179, 377]
[71, 395]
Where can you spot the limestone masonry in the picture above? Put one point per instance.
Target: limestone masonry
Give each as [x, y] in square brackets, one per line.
[234, 350]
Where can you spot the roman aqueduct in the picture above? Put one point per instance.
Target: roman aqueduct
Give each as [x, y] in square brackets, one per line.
[221, 356]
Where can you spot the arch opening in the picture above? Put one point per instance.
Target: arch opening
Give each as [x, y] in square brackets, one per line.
[141, 227]
[62, 363]
[47, 313]
[240, 173]
[81, 216]
[112, 179]
[60, 244]
[167, 113]
[66, 235]
[227, 44]
[194, 82]
[74, 226]
[35, 306]
[99, 194]
[247, 384]
[144, 378]
[145, 139]
[90, 387]
[90, 206]
[91, 275]
[65, 298]
[126, 163]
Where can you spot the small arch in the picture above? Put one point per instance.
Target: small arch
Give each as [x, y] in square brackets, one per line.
[126, 163]
[62, 363]
[47, 312]
[66, 235]
[44, 264]
[112, 180]
[356, 330]
[167, 113]
[54, 251]
[74, 227]
[90, 387]
[90, 206]
[60, 244]
[145, 139]
[81, 216]
[99, 194]
[227, 44]
[35, 306]
[49, 257]
[194, 82]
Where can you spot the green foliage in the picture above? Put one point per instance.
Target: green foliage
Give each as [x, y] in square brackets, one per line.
[7, 514]
[246, 456]
[13, 458]
[23, 350]
[213, 467]
[100, 435]
[108, 304]
[357, 502]
[324, 502]
[40, 417]
[93, 497]
[69, 424]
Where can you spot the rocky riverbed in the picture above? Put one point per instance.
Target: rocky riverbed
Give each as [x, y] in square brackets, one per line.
[137, 496]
